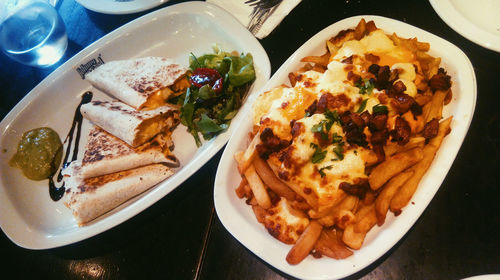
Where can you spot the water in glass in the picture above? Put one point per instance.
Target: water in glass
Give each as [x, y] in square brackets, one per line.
[34, 35]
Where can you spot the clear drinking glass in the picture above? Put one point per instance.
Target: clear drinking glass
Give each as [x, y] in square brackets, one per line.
[32, 32]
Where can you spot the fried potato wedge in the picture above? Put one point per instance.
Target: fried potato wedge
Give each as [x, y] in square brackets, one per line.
[267, 175]
[404, 194]
[384, 198]
[305, 243]
[329, 245]
[392, 166]
[258, 189]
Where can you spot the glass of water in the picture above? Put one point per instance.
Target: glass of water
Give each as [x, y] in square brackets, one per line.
[32, 32]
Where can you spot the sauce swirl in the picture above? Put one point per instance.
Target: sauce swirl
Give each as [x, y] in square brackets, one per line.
[56, 193]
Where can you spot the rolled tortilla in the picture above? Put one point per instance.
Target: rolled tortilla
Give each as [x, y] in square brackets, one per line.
[92, 197]
[143, 83]
[106, 154]
[132, 126]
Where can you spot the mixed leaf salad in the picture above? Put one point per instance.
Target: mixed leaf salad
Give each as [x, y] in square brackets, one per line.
[219, 82]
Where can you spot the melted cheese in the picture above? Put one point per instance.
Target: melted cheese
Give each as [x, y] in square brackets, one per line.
[318, 183]
[263, 103]
[406, 71]
[411, 88]
[285, 223]
[157, 99]
[290, 105]
[379, 44]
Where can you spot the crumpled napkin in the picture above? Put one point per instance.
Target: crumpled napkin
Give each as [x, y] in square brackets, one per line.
[259, 16]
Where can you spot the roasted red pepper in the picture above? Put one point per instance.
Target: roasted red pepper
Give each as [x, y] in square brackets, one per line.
[203, 76]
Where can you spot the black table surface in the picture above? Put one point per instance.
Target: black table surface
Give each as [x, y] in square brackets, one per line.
[181, 237]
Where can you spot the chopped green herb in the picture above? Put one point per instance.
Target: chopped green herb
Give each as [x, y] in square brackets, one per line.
[333, 117]
[362, 106]
[379, 108]
[339, 150]
[322, 128]
[318, 154]
[322, 172]
[365, 86]
[336, 138]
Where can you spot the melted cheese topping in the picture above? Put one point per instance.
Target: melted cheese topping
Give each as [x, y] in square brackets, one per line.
[159, 98]
[290, 104]
[318, 182]
[379, 44]
[285, 223]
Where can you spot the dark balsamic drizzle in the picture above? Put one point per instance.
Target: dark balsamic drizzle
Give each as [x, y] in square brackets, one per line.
[55, 192]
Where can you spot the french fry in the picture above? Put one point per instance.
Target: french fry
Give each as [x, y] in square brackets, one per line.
[404, 194]
[318, 60]
[384, 198]
[258, 189]
[292, 77]
[412, 44]
[240, 190]
[245, 159]
[260, 213]
[359, 31]
[436, 107]
[252, 201]
[329, 245]
[353, 239]
[305, 243]
[392, 166]
[422, 99]
[267, 175]
[321, 212]
[332, 48]
[349, 203]
[392, 147]
[354, 234]
[341, 214]
[366, 221]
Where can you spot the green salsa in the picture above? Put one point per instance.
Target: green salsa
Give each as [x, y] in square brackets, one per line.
[39, 153]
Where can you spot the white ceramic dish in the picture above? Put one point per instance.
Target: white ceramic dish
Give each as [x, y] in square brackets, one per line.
[117, 7]
[478, 21]
[238, 217]
[484, 277]
[27, 214]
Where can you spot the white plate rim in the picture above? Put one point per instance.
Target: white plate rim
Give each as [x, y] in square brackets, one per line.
[484, 277]
[465, 27]
[11, 222]
[120, 8]
[250, 234]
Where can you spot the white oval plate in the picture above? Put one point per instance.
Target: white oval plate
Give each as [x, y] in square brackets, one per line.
[118, 7]
[478, 21]
[238, 217]
[484, 277]
[27, 214]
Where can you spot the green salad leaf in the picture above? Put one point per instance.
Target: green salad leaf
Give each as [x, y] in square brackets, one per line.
[208, 111]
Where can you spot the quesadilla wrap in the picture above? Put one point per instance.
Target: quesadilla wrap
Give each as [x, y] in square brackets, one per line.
[132, 126]
[92, 197]
[106, 154]
[143, 83]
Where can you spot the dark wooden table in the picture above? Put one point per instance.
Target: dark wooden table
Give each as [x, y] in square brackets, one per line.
[180, 237]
